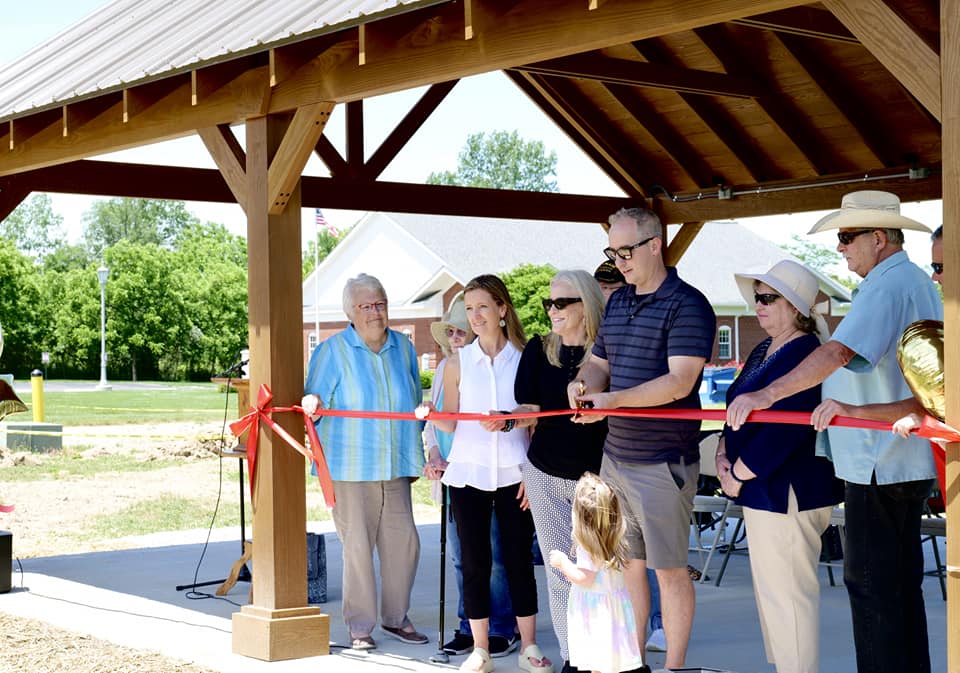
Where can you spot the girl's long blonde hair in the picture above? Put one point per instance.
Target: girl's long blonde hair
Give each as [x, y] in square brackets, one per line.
[598, 524]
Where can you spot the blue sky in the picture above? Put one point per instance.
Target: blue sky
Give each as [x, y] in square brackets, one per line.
[485, 103]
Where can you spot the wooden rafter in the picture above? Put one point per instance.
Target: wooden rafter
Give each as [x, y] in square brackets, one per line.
[895, 44]
[329, 155]
[807, 22]
[780, 113]
[622, 71]
[559, 100]
[719, 121]
[204, 184]
[681, 241]
[405, 130]
[12, 195]
[860, 118]
[355, 153]
[667, 137]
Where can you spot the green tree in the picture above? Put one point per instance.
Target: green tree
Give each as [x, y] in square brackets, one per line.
[34, 227]
[24, 329]
[819, 257]
[529, 284]
[326, 242]
[211, 267]
[145, 221]
[502, 160]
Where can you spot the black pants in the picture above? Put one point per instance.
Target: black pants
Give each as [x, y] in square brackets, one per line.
[883, 571]
[472, 509]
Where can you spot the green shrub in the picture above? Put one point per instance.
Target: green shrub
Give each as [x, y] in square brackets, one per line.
[426, 379]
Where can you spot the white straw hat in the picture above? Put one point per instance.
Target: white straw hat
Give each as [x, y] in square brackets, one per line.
[793, 281]
[868, 209]
[455, 317]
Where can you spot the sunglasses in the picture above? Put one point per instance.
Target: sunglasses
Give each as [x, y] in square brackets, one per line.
[846, 237]
[455, 332]
[626, 252]
[560, 302]
[765, 299]
[937, 267]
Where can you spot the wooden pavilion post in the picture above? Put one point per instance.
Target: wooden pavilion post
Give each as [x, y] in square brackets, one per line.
[950, 110]
[279, 624]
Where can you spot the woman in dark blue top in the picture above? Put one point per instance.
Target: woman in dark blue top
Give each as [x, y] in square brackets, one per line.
[787, 492]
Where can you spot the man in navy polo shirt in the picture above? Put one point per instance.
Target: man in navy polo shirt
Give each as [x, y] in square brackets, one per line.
[656, 335]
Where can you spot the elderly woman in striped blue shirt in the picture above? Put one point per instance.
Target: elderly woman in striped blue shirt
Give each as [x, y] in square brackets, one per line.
[369, 366]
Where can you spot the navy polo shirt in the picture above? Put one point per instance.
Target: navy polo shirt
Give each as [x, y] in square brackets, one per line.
[639, 333]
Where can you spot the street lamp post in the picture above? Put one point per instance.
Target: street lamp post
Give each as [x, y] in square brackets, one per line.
[102, 276]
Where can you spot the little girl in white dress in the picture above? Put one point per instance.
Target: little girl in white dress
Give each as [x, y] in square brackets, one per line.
[602, 631]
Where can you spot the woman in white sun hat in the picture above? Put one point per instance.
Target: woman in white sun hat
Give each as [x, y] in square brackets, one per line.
[787, 492]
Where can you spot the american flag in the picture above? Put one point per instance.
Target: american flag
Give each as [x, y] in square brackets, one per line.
[322, 222]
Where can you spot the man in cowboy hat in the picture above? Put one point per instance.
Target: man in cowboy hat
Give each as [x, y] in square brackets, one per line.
[888, 477]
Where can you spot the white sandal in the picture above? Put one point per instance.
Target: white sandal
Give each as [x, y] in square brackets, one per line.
[533, 660]
[479, 662]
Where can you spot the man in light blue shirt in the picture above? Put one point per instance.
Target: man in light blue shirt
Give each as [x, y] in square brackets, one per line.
[888, 477]
[369, 366]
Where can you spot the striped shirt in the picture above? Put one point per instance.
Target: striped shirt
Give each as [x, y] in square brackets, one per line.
[345, 374]
[639, 333]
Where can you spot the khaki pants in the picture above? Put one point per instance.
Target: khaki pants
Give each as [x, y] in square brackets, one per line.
[784, 554]
[376, 515]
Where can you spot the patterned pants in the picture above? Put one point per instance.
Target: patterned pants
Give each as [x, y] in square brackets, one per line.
[551, 501]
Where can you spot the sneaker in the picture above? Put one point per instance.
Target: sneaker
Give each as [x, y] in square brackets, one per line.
[461, 643]
[657, 641]
[501, 646]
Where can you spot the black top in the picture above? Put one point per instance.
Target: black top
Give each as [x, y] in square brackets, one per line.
[559, 447]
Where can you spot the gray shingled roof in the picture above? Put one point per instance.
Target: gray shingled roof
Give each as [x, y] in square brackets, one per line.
[471, 246]
[135, 41]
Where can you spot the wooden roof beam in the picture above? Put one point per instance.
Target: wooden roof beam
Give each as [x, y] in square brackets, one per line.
[808, 22]
[790, 122]
[406, 129]
[284, 61]
[21, 130]
[667, 137]
[355, 152]
[424, 27]
[600, 68]
[230, 158]
[329, 155]
[12, 194]
[79, 114]
[857, 115]
[298, 142]
[562, 102]
[137, 99]
[896, 44]
[718, 120]
[205, 81]
[681, 241]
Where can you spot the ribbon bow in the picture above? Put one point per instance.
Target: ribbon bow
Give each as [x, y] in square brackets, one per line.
[262, 413]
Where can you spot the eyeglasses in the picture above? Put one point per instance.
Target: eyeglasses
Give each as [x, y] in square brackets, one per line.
[626, 252]
[765, 299]
[937, 267]
[378, 306]
[560, 302]
[846, 237]
[454, 332]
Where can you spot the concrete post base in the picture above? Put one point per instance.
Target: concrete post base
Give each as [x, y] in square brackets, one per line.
[273, 635]
[11, 437]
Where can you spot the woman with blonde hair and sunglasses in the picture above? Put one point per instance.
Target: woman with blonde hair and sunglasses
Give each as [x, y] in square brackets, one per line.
[560, 451]
[483, 470]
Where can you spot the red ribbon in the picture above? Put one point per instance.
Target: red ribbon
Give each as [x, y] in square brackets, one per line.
[262, 413]
[5, 509]
[930, 428]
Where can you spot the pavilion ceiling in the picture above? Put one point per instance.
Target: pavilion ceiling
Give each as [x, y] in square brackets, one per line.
[712, 108]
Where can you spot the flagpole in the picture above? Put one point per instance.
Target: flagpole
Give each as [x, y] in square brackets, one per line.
[316, 277]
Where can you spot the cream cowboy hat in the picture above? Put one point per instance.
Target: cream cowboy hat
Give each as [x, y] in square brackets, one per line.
[793, 281]
[868, 209]
[455, 317]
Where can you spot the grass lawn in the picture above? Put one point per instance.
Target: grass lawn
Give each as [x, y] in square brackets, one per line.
[195, 402]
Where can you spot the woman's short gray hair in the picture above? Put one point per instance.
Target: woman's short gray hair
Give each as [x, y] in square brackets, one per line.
[364, 281]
